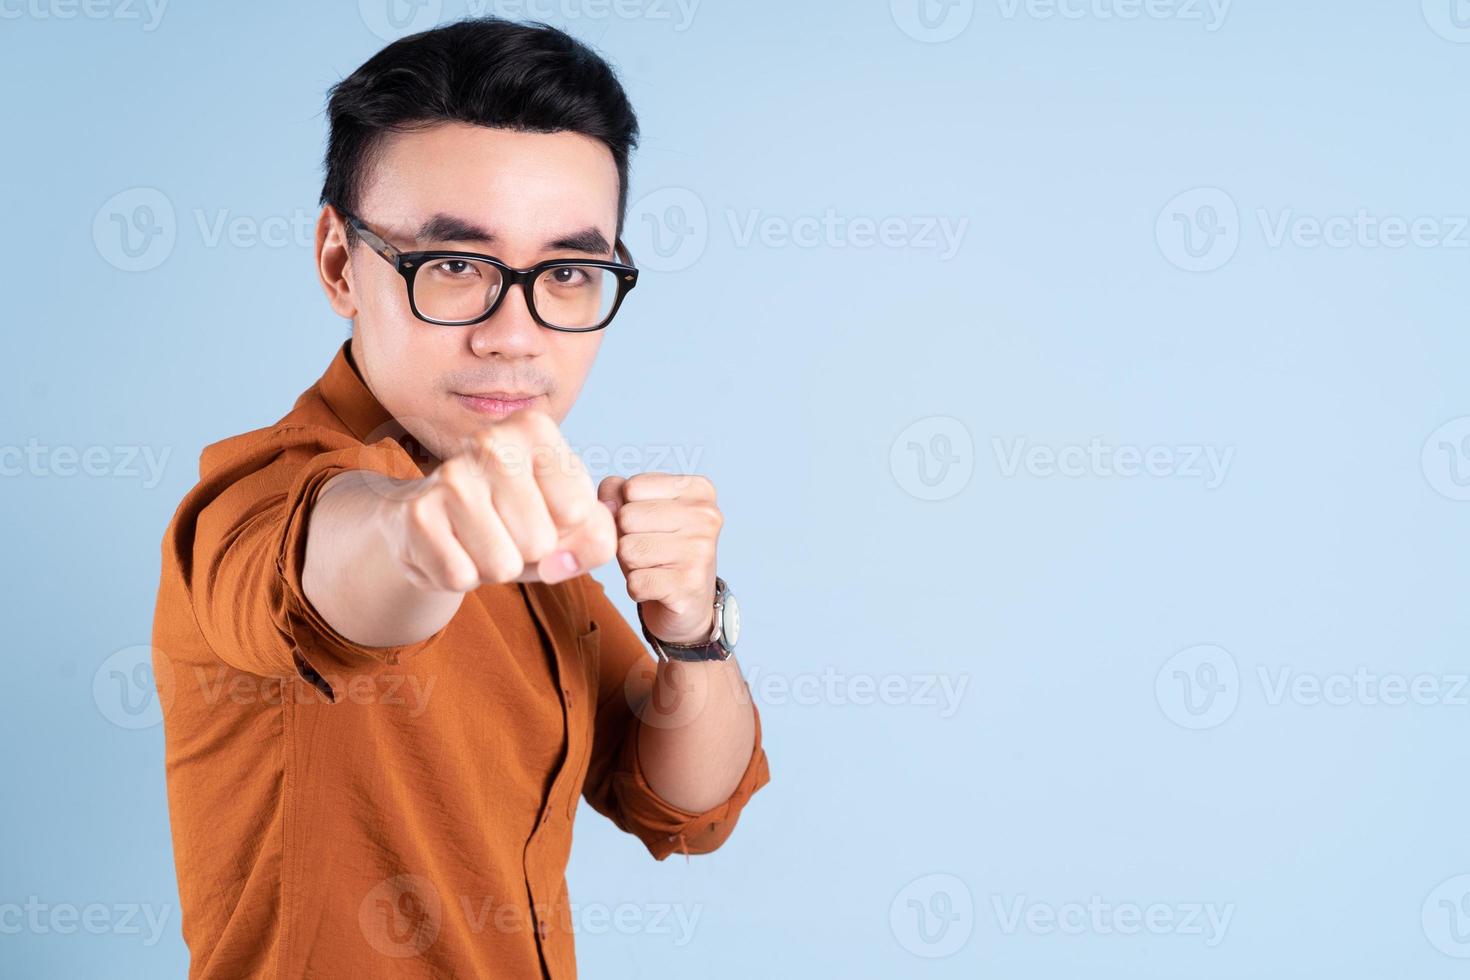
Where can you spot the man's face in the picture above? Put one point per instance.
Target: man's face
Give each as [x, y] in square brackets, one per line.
[520, 197]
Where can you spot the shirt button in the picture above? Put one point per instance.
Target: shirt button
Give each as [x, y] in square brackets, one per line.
[541, 929]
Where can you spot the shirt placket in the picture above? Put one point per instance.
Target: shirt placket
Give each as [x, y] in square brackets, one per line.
[545, 855]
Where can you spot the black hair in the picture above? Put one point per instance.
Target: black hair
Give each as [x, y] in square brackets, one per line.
[481, 70]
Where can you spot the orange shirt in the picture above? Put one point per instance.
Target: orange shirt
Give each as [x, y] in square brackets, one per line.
[348, 811]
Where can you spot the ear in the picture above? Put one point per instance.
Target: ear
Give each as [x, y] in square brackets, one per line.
[333, 262]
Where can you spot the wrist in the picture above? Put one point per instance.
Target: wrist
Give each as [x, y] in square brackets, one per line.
[715, 642]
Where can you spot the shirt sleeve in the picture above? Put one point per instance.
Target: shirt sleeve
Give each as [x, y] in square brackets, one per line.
[616, 786]
[240, 538]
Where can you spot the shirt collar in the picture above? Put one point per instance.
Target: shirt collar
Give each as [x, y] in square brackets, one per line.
[348, 395]
[350, 399]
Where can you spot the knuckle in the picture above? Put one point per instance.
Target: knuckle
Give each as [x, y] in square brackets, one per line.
[459, 480]
[505, 566]
[629, 549]
[456, 576]
[577, 511]
[540, 541]
[417, 512]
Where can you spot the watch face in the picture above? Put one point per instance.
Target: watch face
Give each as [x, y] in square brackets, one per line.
[730, 622]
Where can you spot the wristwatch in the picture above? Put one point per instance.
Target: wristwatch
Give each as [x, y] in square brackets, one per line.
[721, 642]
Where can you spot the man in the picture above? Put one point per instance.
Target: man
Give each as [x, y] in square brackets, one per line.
[387, 674]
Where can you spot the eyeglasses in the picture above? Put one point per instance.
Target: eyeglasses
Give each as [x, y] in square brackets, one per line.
[459, 288]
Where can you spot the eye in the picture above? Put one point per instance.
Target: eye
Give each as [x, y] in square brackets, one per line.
[455, 268]
[569, 275]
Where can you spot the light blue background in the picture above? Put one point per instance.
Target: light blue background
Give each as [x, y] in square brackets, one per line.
[1334, 542]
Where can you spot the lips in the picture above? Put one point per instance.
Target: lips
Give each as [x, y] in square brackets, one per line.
[503, 396]
[497, 402]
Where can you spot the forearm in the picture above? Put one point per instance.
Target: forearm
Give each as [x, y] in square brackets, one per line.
[700, 733]
[352, 579]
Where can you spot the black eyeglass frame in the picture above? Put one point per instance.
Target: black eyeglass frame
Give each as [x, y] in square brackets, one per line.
[408, 264]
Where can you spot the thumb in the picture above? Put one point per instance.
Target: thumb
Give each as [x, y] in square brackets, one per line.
[610, 492]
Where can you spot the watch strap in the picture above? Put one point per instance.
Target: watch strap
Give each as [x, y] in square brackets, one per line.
[711, 649]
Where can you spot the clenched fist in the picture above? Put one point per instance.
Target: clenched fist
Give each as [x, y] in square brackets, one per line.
[668, 529]
[514, 505]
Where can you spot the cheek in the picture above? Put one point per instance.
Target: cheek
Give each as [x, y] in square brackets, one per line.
[575, 356]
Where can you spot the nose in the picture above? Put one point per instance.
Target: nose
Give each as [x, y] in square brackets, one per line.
[511, 331]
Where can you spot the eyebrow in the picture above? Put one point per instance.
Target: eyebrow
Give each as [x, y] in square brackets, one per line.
[449, 228]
